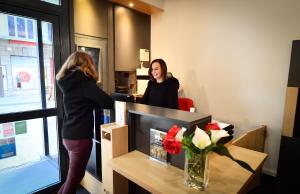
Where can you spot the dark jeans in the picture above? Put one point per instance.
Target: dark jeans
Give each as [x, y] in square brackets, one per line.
[79, 154]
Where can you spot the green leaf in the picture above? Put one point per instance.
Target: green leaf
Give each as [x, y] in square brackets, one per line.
[188, 154]
[223, 151]
[210, 147]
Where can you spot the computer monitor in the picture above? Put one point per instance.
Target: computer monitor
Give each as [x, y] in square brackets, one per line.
[122, 97]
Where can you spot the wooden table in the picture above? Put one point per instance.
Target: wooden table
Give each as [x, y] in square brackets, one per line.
[225, 175]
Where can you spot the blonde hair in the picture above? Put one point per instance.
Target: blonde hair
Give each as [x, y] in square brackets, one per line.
[78, 60]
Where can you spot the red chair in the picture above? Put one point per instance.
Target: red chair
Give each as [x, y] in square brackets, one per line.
[185, 104]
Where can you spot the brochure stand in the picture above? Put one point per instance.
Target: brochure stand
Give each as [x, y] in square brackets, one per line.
[114, 142]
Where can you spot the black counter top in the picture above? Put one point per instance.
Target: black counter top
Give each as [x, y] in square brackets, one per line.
[171, 114]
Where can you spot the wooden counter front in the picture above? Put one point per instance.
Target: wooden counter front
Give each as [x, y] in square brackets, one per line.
[225, 175]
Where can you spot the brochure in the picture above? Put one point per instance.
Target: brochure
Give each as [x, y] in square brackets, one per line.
[157, 151]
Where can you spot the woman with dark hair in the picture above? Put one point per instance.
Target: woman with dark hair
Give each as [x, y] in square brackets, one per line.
[77, 81]
[162, 90]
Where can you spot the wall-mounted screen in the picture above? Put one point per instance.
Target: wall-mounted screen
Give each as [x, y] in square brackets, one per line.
[94, 52]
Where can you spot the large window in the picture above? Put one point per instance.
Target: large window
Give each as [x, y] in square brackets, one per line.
[28, 131]
[22, 142]
[20, 84]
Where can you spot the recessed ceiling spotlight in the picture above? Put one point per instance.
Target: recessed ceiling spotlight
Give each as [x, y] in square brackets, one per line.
[131, 4]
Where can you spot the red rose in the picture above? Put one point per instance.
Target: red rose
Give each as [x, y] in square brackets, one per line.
[173, 131]
[171, 145]
[212, 126]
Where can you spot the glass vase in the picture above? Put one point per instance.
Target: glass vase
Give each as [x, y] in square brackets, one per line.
[196, 169]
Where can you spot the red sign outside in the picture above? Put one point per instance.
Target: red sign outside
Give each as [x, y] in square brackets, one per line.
[8, 130]
[24, 76]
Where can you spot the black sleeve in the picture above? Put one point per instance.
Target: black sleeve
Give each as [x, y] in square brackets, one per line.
[145, 98]
[102, 99]
[172, 96]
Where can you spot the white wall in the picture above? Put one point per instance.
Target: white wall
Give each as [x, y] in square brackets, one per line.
[232, 58]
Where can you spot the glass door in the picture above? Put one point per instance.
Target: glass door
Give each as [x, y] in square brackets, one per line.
[29, 151]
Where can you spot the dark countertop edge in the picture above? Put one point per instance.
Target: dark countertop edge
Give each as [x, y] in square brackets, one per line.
[131, 108]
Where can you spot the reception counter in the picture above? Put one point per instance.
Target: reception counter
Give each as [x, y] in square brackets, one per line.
[141, 118]
[149, 176]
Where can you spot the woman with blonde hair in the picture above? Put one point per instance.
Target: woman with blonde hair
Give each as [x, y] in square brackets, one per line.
[77, 81]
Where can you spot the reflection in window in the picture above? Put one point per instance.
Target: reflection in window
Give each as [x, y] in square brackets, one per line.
[20, 88]
[4, 80]
[21, 143]
[55, 2]
[30, 29]
[11, 25]
[26, 76]
[25, 28]
[27, 145]
[20, 80]
[49, 26]
[53, 137]
[22, 150]
[47, 34]
[21, 27]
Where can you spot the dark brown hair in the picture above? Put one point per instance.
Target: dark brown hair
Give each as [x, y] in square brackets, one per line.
[163, 67]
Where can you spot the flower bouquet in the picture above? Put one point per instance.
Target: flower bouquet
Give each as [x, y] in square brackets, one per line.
[197, 145]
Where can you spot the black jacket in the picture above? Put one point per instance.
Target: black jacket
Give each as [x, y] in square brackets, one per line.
[163, 94]
[80, 97]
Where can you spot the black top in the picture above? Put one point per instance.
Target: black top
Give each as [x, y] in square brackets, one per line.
[80, 96]
[163, 94]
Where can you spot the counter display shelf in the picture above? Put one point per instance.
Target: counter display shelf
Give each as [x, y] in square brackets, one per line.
[141, 118]
[225, 176]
